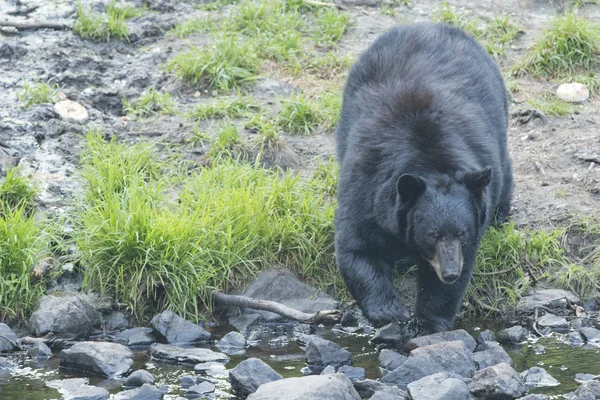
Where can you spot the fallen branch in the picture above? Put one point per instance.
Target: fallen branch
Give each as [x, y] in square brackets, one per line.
[322, 4]
[484, 306]
[277, 308]
[23, 26]
[524, 116]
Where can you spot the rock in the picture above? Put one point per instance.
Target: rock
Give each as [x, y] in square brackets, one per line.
[78, 389]
[552, 321]
[71, 111]
[349, 319]
[176, 330]
[393, 393]
[390, 359]
[442, 386]
[500, 381]
[146, 392]
[330, 369]
[139, 378]
[580, 378]
[40, 350]
[232, 341]
[575, 339]
[495, 354]
[66, 315]
[313, 387]
[369, 387]
[592, 335]
[187, 381]
[99, 358]
[538, 377]
[248, 375]
[389, 334]
[513, 335]
[246, 323]
[580, 322]
[573, 92]
[588, 391]
[321, 353]
[486, 336]
[207, 368]
[354, 3]
[279, 342]
[449, 336]
[116, 321]
[535, 397]
[200, 389]
[185, 355]
[135, 337]
[283, 287]
[8, 339]
[552, 298]
[353, 373]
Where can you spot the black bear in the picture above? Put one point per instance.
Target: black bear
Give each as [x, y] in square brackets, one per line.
[424, 170]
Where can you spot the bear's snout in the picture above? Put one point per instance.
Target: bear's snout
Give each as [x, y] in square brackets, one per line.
[448, 260]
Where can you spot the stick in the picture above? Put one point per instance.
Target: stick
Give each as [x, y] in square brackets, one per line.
[320, 3]
[484, 306]
[277, 308]
[25, 26]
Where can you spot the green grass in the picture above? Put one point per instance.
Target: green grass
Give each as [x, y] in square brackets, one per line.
[268, 131]
[551, 105]
[151, 102]
[299, 115]
[16, 191]
[231, 220]
[38, 93]
[570, 46]
[330, 26]
[102, 26]
[194, 25]
[215, 5]
[227, 64]
[330, 106]
[237, 107]
[227, 144]
[126, 10]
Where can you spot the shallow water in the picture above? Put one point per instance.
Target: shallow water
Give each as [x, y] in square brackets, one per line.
[560, 360]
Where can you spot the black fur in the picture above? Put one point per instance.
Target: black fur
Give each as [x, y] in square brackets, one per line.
[424, 113]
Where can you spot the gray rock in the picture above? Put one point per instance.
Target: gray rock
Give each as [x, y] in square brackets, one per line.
[500, 381]
[185, 355]
[67, 315]
[535, 397]
[283, 287]
[449, 336]
[232, 341]
[588, 391]
[536, 377]
[116, 321]
[246, 323]
[8, 339]
[580, 378]
[146, 392]
[353, 373]
[486, 336]
[513, 335]
[573, 92]
[248, 375]
[580, 322]
[313, 387]
[99, 358]
[367, 387]
[135, 337]
[40, 350]
[440, 386]
[552, 298]
[200, 389]
[494, 354]
[321, 353]
[592, 335]
[139, 378]
[575, 339]
[187, 381]
[389, 334]
[330, 369]
[552, 321]
[390, 359]
[78, 389]
[175, 330]
[395, 394]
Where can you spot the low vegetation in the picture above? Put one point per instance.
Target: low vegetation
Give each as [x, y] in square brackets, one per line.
[38, 93]
[551, 105]
[151, 102]
[236, 107]
[104, 26]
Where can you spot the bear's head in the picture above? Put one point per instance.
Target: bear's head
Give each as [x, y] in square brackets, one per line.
[443, 216]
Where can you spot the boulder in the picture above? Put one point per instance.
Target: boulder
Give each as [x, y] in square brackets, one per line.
[390, 360]
[99, 358]
[321, 353]
[173, 329]
[246, 323]
[66, 315]
[233, 341]
[536, 377]
[486, 336]
[248, 375]
[449, 336]
[391, 334]
[551, 298]
[135, 337]
[8, 339]
[440, 386]
[78, 389]
[552, 322]
[592, 335]
[589, 390]
[353, 373]
[313, 387]
[40, 350]
[500, 381]
[283, 287]
[145, 392]
[330, 369]
[513, 335]
[393, 393]
[200, 389]
[185, 355]
[139, 378]
[116, 321]
[369, 387]
[494, 354]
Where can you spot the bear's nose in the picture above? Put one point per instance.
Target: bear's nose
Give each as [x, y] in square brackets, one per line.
[450, 277]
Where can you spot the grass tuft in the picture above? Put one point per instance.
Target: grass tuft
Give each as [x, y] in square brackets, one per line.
[101, 26]
[299, 116]
[237, 107]
[195, 25]
[551, 105]
[150, 103]
[38, 93]
[17, 191]
[330, 26]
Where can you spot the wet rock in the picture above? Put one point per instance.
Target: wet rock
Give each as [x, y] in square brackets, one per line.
[330, 369]
[538, 377]
[248, 375]
[207, 368]
[6, 366]
[283, 287]
[99, 358]
[390, 334]
[279, 342]
[321, 353]
[498, 382]
[40, 350]
[116, 321]
[175, 330]
[592, 335]
[232, 341]
[146, 392]
[390, 359]
[313, 387]
[552, 298]
[573, 92]
[575, 339]
[78, 389]
[513, 335]
[369, 387]
[185, 355]
[552, 322]
[535, 397]
[580, 378]
[588, 391]
[139, 378]
[353, 373]
[67, 315]
[303, 329]
[349, 319]
[393, 393]
[486, 336]
[494, 354]
[442, 386]
[71, 111]
[200, 389]
[8, 339]
[440, 337]
[246, 323]
[135, 337]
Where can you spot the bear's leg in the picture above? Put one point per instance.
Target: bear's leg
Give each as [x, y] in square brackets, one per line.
[370, 282]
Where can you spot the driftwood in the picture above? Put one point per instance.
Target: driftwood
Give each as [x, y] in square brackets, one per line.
[23, 26]
[277, 308]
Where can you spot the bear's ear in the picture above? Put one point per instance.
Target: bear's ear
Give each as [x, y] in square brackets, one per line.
[410, 187]
[476, 181]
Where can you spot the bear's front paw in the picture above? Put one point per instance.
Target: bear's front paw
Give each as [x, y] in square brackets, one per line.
[413, 328]
[383, 316]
